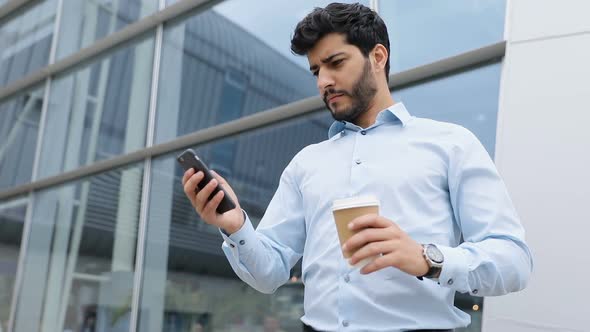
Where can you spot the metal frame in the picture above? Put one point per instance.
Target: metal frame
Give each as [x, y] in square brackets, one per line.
[12, 7]
[375, 5]
[29, 213]
[449, 66]
[131, 31]
[147, 176]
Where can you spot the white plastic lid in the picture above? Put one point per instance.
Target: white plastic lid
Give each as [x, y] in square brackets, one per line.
[350, 202]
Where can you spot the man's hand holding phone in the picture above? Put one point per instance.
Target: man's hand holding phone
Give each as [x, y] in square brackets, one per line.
[207, 205]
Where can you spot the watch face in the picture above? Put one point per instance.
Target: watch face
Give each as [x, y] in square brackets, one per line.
[434, 254]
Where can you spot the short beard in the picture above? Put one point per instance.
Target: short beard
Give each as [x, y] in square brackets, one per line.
[363, 91]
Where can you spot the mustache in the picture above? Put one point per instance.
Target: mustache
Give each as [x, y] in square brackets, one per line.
[330, 92]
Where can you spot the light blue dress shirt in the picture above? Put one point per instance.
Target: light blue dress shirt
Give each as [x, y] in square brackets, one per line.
[434, 179]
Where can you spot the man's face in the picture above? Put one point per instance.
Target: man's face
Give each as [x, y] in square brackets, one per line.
[345, 78]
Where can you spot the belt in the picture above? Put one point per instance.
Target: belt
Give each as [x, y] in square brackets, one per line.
[307, 328]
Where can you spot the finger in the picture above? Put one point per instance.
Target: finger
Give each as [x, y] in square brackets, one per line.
[204, 194]
[372, 249]
[367, 235]
[379, 263]
[210, 208]
[225, 186]
[191, 185]
[187, 175]
[218, 177]
[369, 220]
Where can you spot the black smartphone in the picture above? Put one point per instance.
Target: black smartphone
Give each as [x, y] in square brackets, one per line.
[188, 159]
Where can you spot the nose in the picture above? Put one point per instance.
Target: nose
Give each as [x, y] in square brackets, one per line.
[325, 81]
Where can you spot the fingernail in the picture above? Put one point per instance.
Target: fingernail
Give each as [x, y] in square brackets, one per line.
[344, 247]
[350, 225]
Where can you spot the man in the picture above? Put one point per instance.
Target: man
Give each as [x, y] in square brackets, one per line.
[445, 216]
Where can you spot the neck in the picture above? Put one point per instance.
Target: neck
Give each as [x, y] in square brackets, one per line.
[381, 101]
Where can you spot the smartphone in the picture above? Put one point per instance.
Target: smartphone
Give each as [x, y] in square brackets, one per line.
[188, 159]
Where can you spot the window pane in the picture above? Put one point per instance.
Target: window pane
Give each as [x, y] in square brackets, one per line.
[187, 279]
[25, 41]
[98, 111]
[19, 127]
[84, 22]
[423, 31]
[12, 220]
[469, 99]
[79, 265]
[228, 62]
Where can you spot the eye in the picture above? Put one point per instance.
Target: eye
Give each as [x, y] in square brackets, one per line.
[315, 73]
[337, 62]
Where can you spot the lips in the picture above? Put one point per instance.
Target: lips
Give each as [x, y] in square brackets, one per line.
[332, 97]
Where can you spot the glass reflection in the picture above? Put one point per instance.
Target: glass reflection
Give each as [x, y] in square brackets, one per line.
[79, 266]
[19, 127]
[228, 62]
[98, 111]
[423, 31]
[12, 220]
[469, 99]
[187, 279]
[83, 22]
[25, 41]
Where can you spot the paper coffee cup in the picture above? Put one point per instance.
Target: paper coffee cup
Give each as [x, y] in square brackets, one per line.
[346, 210]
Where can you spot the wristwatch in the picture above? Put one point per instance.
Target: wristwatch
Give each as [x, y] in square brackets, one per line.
[435, 259]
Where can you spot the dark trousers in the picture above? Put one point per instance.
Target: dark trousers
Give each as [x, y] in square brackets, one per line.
[307, 328]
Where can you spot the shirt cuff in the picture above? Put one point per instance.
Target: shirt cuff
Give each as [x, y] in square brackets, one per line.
[455, 271]
[242, 240]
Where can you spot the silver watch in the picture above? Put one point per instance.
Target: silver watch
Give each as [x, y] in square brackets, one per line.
[435, 259]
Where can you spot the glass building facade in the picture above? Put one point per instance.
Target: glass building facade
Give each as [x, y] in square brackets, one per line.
[96, 100]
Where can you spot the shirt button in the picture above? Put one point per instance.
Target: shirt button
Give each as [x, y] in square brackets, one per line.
[345, 323]
[358, 161]
[450, 282]
[347, 278]
[363, 132]
[242, 242]
[475, 291]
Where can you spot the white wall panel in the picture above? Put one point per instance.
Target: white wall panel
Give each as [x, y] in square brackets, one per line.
[543, 153]
[543, 18]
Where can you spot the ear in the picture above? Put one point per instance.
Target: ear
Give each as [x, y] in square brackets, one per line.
[379, 57]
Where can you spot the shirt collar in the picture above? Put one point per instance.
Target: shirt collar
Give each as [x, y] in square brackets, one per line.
[392, 114]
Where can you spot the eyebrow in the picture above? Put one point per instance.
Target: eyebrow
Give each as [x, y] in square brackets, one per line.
[328, 59]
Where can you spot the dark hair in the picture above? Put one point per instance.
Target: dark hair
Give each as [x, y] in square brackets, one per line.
[362, 26]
